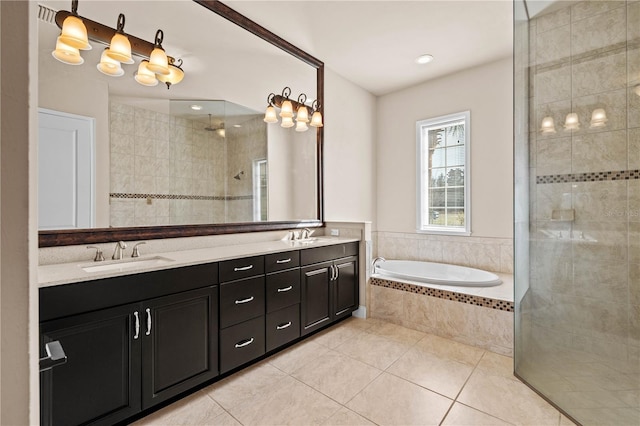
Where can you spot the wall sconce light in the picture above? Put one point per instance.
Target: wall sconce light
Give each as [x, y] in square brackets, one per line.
[547, 126]
[598, 118]
[572, 122]
[75, 35]
[287, 107]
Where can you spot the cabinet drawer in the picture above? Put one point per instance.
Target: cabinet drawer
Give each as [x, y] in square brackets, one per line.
[241, 343]
[241, 300]
[236, 269]
[283, 326]
[322, 254]
[281, 261]
[283, 289]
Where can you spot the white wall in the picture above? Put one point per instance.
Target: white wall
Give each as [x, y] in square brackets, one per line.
[487, 92]
[349, 151]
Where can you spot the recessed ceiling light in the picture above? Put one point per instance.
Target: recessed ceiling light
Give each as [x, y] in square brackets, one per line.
[424, 59]
[196, 107]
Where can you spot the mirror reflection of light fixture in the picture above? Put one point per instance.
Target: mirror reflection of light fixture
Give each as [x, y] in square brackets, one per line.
[287, 107]
[547, 126]
[77, 31]
[598, 118]
[572, 122]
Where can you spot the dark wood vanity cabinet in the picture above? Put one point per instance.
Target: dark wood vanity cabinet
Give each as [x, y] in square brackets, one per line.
[127, 358]
[329, 287]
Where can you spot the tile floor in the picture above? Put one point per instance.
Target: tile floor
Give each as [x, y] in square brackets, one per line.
[364, 372]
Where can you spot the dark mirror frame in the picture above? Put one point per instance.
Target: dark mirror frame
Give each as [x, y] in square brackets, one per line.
[103, 235]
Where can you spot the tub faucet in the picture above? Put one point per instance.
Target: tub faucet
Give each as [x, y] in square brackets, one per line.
[117, 253]
[375, 263]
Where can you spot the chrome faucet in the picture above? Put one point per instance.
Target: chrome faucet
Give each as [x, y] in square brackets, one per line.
[375, 263]
[117, 253]
[306, 233]
[136, 251]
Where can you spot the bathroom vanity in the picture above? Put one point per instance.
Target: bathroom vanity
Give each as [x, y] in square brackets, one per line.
[134, 340]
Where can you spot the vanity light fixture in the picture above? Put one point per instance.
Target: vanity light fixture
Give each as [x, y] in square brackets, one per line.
[75, 35]
[598, 118]
[548, 125]
[287, 108]
[571, 122]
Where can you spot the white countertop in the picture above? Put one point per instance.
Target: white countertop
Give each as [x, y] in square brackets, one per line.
[66, 273]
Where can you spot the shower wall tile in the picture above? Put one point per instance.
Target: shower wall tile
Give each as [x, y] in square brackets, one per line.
[599, 73]
[586, 9]
[604, 241]
[634, 283]
[634, 108]
[605, 151]
[615, 105]
[553, 20]
[122, 144]
[634, 244]
[548, 50]
[633, 63]
[598, 33]
[554, 156]
[633, 17]
[634, 149]
[553, 196]
[634, 201]
[604, 280]
[553, 84]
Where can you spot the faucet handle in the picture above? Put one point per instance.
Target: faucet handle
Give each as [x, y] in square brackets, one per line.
[99, 256]
[136, 252]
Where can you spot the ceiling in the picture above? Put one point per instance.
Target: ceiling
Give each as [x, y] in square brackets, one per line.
[374, 43]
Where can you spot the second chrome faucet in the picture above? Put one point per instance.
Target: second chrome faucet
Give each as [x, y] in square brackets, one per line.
[119, 250]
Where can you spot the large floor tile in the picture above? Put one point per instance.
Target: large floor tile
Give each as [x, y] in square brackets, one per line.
[449, 349]
[462, 415]
[337, 376]
[196, 409]
[499, 365]
[335, 336]
[245, 384]
[396, 332]
[607, 416]
[507, 398]
[346, 417]
[440, 375]
[374, 350]
[290, 403]
[390, 400]
[297, 356]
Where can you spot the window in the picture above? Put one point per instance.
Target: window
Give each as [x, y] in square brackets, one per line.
[443, 174]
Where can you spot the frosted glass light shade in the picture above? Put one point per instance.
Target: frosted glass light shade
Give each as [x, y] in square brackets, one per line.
[120, 49]
[303, 115]
[158, 62]
[67, 54]
[144, 76]
[74, 33]
[286, 110]
[301, 126]
[598, 118]
[547, 125]
[109, 66]
[287, 122]
[316, 119]
[175, 75]
[270, 115]
[572, 122]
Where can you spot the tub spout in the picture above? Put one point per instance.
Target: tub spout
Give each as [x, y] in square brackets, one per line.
[375, 263]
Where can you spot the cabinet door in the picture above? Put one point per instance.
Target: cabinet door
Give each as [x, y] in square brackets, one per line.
[316, 301]
[346, 287]
[180, 343]
[100, 382]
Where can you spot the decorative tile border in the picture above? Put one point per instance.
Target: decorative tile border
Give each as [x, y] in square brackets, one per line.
[589, 177]
[485, 302]
[122, 195]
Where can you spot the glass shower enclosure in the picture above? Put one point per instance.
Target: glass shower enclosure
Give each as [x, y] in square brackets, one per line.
[577, 206]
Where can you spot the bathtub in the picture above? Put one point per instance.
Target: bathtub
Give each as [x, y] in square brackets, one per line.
[435, 273]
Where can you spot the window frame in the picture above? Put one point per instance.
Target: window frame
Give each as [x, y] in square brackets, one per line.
[422, 193]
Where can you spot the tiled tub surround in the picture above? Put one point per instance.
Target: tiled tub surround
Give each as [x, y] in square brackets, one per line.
[581, 313]
[154, 155]
[481, 317]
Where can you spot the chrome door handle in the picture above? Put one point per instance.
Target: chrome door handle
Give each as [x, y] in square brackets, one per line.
[245, 343]
[148, 322]
[243, 268]
[55, 356]
[137, 326]
[282, 290]
[283, 326]
[247, 300]
[283, 261]
[337, 271]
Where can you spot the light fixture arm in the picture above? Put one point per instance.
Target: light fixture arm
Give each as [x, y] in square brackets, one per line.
[315, 106]
[120, 24]
[74, 7]
[158, 39]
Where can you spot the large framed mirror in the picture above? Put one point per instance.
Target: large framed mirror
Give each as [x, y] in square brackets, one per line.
[192, 159]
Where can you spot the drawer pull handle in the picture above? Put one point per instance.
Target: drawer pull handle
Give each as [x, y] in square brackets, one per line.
[243, 268]
[137, 317]
[245, 343]
[282, 290]
[247, 300]
[283, 326]
[148, 333]
[283, 261]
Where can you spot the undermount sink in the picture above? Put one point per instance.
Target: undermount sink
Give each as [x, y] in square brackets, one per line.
[123, 265]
